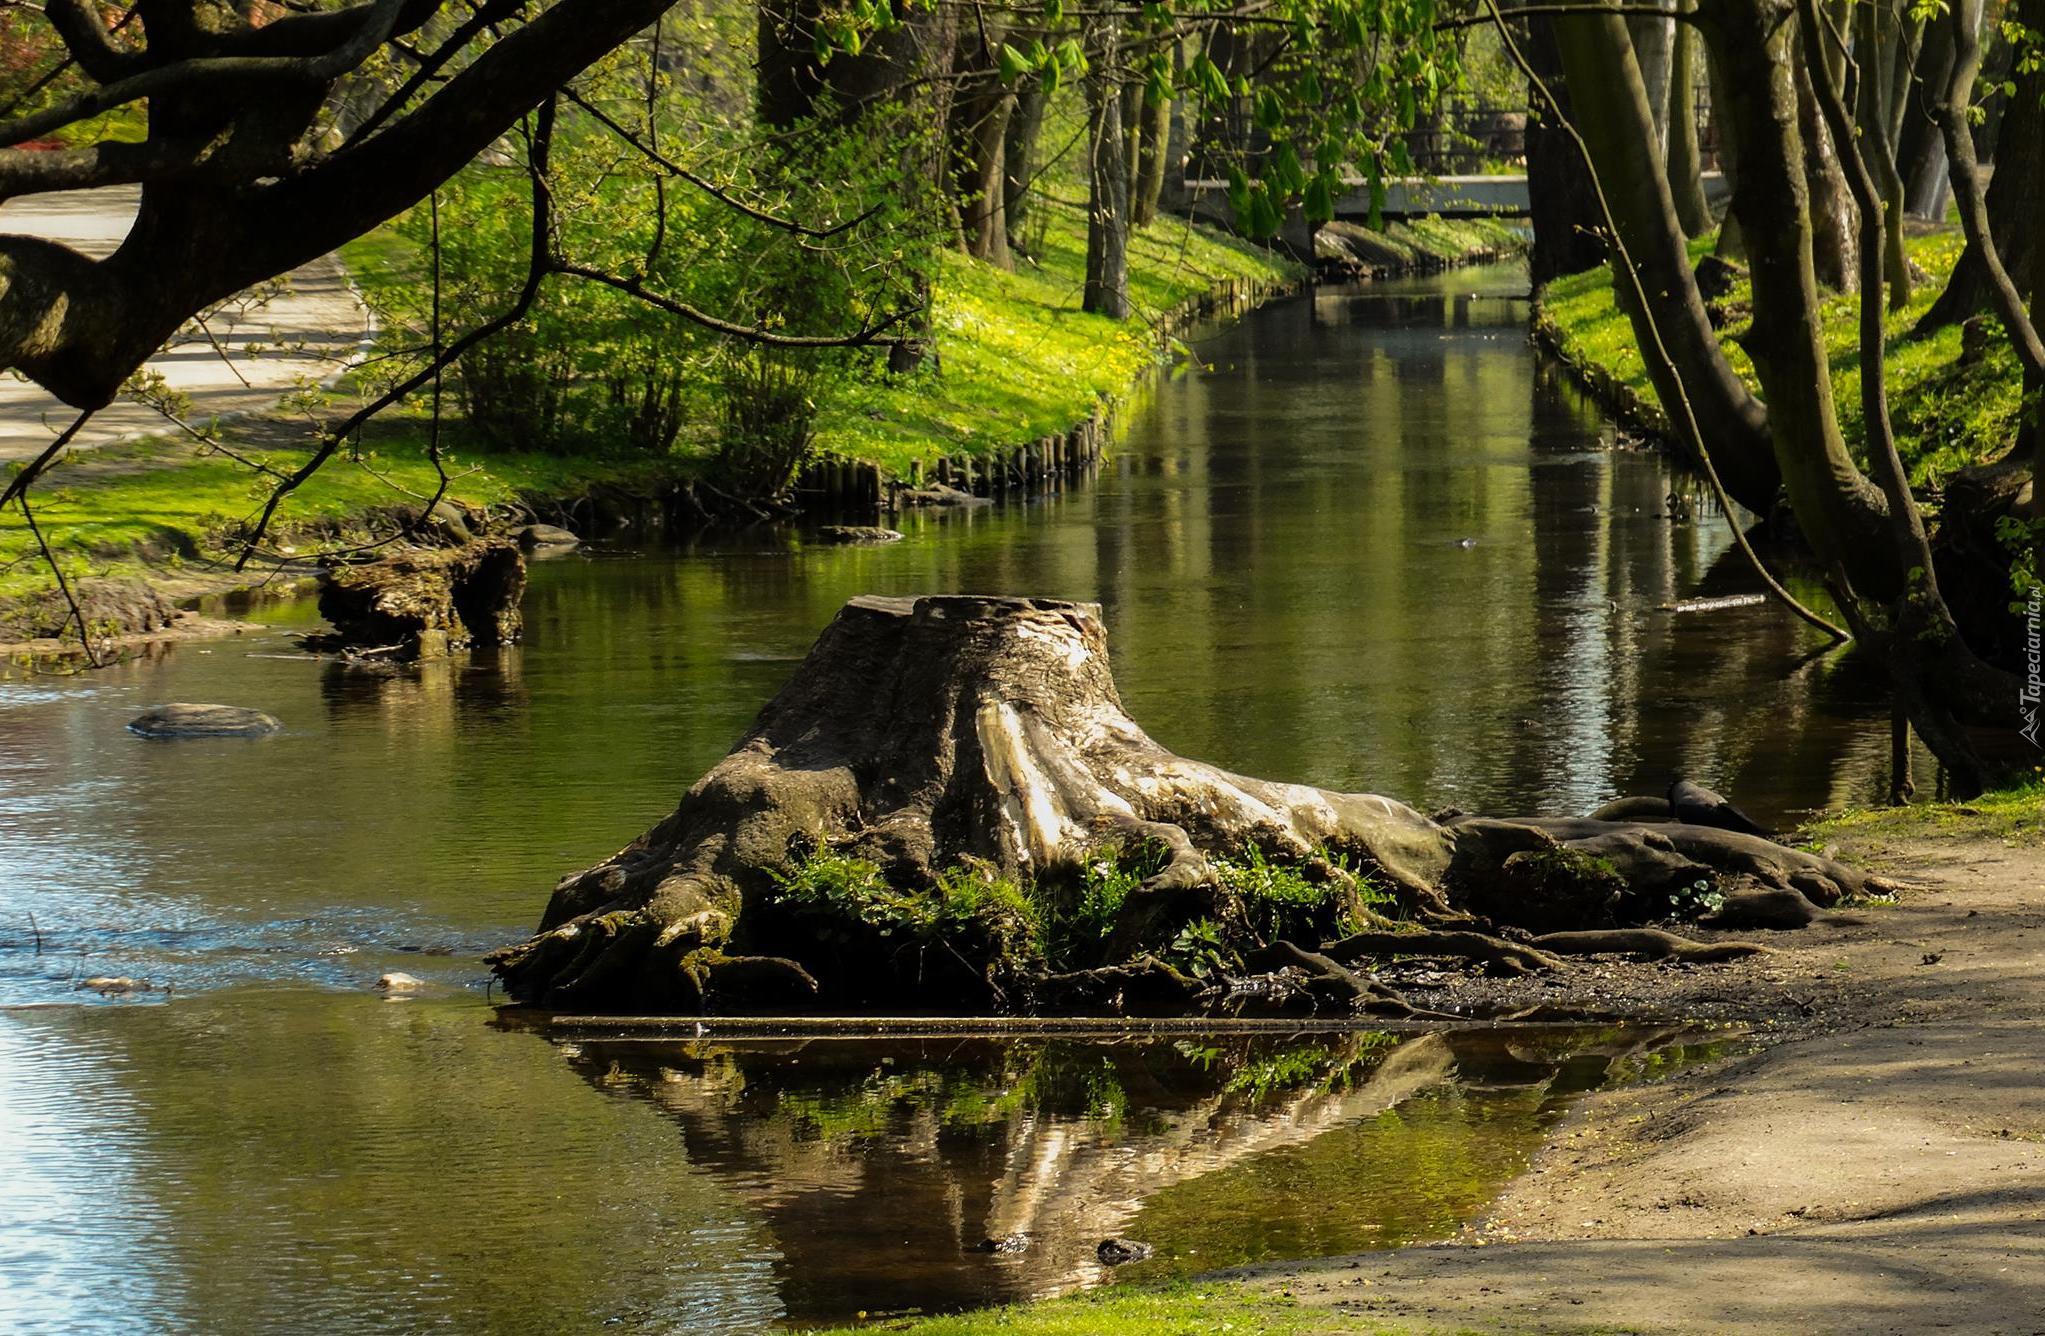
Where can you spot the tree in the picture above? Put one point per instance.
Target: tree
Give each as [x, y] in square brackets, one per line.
[1684, 160]
[1107, 176]
[1611, 113]
[240, 181]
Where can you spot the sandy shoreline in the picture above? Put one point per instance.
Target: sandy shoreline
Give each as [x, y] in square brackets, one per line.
[1876, 1165]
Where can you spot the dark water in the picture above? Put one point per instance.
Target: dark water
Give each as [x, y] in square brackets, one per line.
[1281, 554]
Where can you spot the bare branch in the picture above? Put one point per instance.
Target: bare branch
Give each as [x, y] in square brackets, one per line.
[636, 287]
[675, 169]
[536, 271]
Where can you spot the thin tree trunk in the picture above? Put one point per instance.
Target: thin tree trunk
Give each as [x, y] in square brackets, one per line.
[1172, 195]
[1611, 112]
[1148, 187]
[980, 116]
[1686, 179]
[1018, 165]
[1107, 212]
[1878, 39]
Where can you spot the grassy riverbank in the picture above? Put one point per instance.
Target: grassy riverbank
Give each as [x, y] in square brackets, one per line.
[1951, 410]
[1015, 359]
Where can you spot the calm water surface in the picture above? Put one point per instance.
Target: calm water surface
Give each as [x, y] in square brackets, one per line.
[1371, 544]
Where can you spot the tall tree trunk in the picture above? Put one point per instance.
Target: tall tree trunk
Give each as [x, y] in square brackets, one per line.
[2016, 197]
[1834, 248]
[980, 114]
[1612, 114]
[1147, 187]
[1838, 510]
[1878, 41]
[1561, 198]
[1172, 196]
[1730, 246]
[1654, 51]
[1921, 154]
[1686, 180]
[1018, 161]
[1107, 204]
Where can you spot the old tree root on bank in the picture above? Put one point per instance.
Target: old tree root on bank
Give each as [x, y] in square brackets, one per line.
[947, 809]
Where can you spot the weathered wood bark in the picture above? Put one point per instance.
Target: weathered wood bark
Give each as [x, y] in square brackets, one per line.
[1613, 117]
[1107, 201]
[932, 734]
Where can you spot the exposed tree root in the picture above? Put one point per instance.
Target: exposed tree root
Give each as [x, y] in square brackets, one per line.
[1648, 943]
[1508, 957]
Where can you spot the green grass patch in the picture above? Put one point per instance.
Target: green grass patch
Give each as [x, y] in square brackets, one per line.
[1179, 1310]
[2014, 815]
[1947, 415]
[1016, 359]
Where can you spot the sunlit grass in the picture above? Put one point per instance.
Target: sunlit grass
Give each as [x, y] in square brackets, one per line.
[1180, 1310]
[2015, 815]
[1016, 359]
[1947, 415]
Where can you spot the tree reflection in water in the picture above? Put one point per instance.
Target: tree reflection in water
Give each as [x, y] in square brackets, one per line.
[882, 1168]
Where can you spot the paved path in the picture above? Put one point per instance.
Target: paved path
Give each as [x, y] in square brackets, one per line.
[315, 327]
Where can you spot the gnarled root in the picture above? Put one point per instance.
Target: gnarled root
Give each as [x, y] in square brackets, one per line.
[1648, 943]
[1507, 957]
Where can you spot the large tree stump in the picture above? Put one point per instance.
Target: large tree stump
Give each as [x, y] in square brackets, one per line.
[423, 602]
[931, 734]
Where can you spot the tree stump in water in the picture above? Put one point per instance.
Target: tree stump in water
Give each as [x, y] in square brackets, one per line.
[423, 602]
[958, 743]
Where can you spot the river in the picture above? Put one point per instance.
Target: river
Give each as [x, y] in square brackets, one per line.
[1369, 541]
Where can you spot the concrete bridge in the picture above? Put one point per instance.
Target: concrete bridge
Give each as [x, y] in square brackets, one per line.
[1416, 196]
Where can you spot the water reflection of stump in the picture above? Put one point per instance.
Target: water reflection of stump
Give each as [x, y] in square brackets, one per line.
[881, 1166]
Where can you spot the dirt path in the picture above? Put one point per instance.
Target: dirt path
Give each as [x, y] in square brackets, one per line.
[304, 333]
[1877, 1166]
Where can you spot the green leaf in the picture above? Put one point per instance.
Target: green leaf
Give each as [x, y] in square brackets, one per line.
[1264, 219]
[1319, 204]
[1014, 64]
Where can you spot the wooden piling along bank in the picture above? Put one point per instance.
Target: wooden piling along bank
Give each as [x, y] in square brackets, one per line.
[1047, 464]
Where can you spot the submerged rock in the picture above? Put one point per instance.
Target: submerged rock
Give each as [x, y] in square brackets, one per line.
[939, 494]
[866, 534]
[399, 982]
[545, 535]
[183, 720]
[1121, 1252]
[423, 603]
[1009, 1244]
[111, 986]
